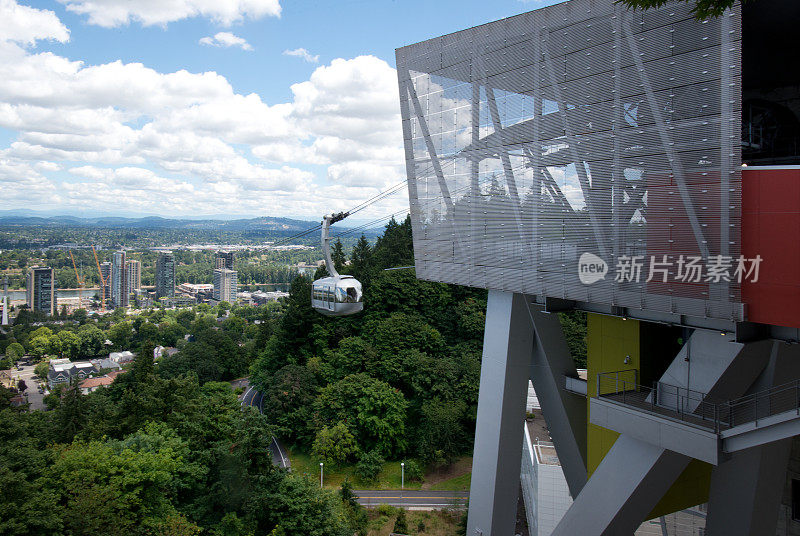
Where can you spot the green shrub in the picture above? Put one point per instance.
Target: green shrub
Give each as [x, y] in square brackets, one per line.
[387, 510]
[369, 466]
[401, 525]
[413, 471]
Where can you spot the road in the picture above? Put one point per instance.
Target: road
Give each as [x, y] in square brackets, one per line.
[32, 394]
[416, 499]
[254, 398]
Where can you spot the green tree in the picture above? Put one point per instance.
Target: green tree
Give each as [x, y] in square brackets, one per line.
[70, 343]
[15, 351]
[353, 355]
[395, 247]
[289, 403]
[369, 466]
[360, 258]
[45, 344]
[400, 524]
[413, 471]
[394, 338]
[702, 9]
[337, 255]
[374, 412]
[301, 508]
[335, 445]
[573, 323]
[121, 335]
[213, 356]
[170, 332]
[79, 315]
[72, 412]
[41, 369]
[143, 363]
[232, 525]
[292, 342]
[185, 317]
[113, 488]
[92, 340]
[147, 331]
[441, 432]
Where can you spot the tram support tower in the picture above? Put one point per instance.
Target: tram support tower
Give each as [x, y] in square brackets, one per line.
[641, 170]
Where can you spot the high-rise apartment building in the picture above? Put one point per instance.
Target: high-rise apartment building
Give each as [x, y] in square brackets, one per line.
[105, 272]
[119, 280]
[134, 276]
[165, 275]
[224, 259]
[41, 289]
[226, 284]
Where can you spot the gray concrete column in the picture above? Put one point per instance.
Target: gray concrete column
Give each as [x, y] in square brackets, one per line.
[745, 494]
[564, 412]
[626, 486]
[507, 346]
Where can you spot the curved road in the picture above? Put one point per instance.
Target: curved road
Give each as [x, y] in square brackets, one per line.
[255, 398]
[416, 499]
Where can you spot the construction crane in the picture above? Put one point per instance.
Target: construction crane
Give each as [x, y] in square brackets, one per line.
[103, 282]
[80, 281]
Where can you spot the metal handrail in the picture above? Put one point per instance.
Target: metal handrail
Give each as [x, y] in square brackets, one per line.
[695, 407]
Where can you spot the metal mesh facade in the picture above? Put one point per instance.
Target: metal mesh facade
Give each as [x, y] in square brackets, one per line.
[578, 128]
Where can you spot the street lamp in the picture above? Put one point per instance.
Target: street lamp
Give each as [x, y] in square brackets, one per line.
[320, 474]
[402, 474]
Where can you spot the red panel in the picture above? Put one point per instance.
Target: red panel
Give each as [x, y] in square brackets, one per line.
[771, 228]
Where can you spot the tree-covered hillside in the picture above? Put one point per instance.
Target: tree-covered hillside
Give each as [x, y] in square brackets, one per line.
[401, 377]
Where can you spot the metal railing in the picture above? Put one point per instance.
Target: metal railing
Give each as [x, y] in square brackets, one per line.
[694, 407]
[778, 399]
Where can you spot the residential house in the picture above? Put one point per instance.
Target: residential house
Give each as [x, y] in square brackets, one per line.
[63, 373]
[92, 384]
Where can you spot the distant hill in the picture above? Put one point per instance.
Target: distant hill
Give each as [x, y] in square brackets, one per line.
[266, 225]
[155, 222]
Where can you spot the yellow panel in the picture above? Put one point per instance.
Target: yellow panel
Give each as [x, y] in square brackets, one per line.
[690, 489]
[609, 341]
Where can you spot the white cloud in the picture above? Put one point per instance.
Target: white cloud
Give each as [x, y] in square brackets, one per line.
[302, 53]
[111, 13]
[26, 25]
[135, 139]
[226, 40]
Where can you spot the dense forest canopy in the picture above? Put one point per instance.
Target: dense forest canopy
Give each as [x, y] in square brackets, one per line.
[167, 449]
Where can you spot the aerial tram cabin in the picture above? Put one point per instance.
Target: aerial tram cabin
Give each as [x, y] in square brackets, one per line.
[336, 295]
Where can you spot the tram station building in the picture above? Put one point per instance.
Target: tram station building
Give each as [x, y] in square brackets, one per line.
[642, 167]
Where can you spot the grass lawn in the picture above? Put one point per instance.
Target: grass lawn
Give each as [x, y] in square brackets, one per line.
[435, 523]
[389, 477]
[459, 483]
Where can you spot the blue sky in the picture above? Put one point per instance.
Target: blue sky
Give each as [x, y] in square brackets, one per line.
[85, 130]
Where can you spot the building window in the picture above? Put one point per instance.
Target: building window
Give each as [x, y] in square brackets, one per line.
[795, 499]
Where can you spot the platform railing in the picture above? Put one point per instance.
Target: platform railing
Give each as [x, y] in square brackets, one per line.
[695, 407]
[667, 400]
[757, 406]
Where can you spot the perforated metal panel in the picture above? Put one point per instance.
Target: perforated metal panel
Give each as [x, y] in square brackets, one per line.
[578, 128]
